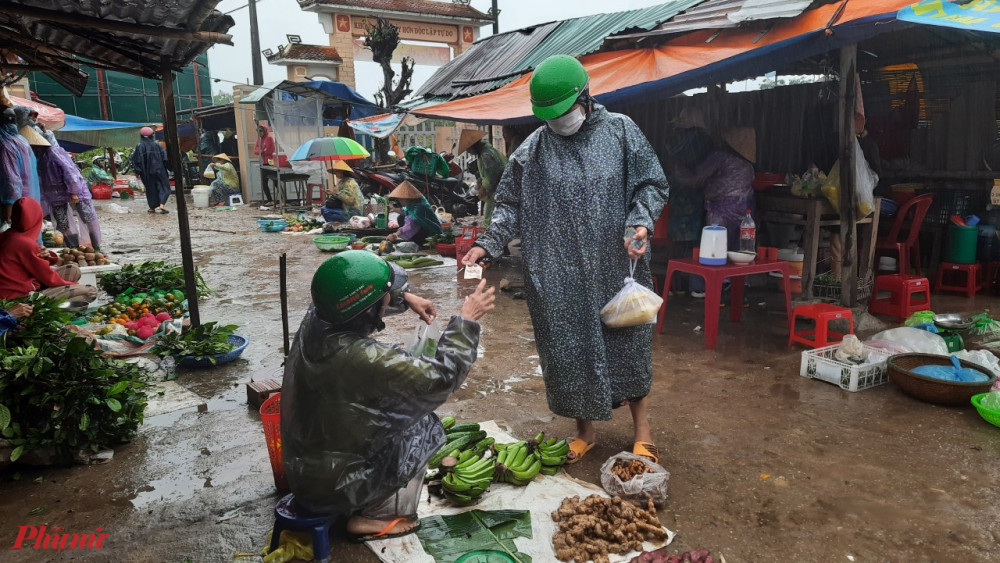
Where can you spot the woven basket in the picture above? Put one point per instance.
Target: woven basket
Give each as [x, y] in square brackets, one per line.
[933, 390]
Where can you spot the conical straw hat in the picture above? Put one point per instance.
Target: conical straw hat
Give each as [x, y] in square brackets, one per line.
[405, 190]
[743, 140]
[33, 137]
[468, 138]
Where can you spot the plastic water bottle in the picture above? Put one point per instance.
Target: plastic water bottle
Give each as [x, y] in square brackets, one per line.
[748, 234]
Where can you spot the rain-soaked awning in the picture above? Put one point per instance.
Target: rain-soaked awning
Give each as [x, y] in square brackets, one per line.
[695, 59]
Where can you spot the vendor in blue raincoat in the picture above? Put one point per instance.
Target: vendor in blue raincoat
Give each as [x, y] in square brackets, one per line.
[357, 415]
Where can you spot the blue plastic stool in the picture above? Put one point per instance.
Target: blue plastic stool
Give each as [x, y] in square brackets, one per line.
[286, 517]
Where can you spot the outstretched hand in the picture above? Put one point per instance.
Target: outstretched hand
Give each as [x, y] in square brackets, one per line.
[481, 301]
[422, 307]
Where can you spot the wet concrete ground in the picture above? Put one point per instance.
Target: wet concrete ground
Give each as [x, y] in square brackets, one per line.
[765, 465]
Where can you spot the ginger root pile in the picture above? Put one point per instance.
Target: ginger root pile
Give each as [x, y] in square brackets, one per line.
[597, 526]
[626, 470]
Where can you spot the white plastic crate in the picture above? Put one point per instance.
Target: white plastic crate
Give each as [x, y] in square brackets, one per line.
[822, 364]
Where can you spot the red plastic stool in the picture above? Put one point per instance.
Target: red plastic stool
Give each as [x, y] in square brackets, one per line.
[973, 278]
[902, 289]
[821, 314]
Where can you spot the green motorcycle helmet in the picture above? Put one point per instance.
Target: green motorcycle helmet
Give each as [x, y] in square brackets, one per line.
[348, 283]
[555, 85]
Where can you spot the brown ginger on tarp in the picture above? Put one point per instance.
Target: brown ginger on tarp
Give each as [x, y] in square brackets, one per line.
[598, 526]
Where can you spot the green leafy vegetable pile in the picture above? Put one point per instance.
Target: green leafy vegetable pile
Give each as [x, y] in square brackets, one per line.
[447, 237]
[203, 342]
[147, 276]
[57, 391]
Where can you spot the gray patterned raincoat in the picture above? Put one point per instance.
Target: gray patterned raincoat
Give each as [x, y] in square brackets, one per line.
[570, 200]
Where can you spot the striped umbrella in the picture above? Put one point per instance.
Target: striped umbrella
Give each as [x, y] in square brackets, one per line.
[330, 148]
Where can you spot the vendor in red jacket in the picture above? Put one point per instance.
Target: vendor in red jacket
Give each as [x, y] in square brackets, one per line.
[25, 267]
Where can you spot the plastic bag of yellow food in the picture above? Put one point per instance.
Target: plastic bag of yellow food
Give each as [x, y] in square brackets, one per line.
[634, 305]
[864, 188]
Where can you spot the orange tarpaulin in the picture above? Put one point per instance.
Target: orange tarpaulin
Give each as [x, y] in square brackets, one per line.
[615, 71]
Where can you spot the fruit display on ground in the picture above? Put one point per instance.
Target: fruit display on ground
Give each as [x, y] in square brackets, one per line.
[470, 460]
[82, 256]
[141, 314]
[303, 225]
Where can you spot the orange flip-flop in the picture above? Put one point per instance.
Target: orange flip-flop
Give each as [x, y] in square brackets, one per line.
[385, 533]
[647, 449]
[578, 447]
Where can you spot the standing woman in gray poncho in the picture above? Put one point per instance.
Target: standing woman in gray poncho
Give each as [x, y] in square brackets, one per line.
[570, 191]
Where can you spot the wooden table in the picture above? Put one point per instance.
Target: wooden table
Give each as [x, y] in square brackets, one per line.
[814, 213]
[283, 177]
[714, 276]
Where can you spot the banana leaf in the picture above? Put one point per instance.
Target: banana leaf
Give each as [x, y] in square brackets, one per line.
[446, 538]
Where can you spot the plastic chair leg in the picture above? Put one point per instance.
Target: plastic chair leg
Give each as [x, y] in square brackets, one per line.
[321, 543]
[276, 535]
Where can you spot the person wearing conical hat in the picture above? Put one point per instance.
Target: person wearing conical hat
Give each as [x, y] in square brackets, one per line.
[418, 221]
[724, 175]
[227, 181]
[490, 164]
[344, 199]
[347, 189]
[64, 191]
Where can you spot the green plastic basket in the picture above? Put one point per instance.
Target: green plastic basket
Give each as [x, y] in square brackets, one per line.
[989, 415]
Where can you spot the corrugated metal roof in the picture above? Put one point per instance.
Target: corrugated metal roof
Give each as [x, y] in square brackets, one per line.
[717, 14]
[487, 59]
[585, 35]
[496, 60]
[72, 30]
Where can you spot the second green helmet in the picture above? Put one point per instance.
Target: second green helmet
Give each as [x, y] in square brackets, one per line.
[555, 85]
[348, 283]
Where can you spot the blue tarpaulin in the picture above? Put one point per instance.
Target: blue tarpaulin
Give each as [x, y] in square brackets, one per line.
[81, 134]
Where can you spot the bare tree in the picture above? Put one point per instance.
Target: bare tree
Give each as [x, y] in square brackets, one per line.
[381, 39]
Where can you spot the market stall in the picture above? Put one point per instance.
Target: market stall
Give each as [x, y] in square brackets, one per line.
[105, 404]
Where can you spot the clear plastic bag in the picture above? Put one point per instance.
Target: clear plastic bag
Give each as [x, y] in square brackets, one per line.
[867, 179]
[643, 486]
[634, 305]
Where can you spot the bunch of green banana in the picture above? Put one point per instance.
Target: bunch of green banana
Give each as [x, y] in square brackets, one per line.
[553, 454]
[469, 479]
[459, 437]
[515, 465]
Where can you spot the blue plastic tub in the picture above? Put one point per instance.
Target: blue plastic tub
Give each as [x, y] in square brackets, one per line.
[272, 225]
[239, 341]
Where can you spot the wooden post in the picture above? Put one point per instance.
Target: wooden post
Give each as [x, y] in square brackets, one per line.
[174, 156]
[848, 179]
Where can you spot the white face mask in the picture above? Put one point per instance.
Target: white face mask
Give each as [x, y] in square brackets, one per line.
[568, 124]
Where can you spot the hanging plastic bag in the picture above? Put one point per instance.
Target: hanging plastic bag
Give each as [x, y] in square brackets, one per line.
[634, 305]
[209, 172]
[864, 187]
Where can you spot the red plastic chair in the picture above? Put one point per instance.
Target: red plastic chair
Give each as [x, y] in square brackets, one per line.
[660, 247]
[908, 247]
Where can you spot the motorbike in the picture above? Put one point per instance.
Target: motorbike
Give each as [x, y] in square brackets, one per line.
[454, 195]
[378, 181]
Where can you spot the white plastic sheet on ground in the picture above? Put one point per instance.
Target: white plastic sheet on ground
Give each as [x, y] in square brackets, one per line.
[542, 497]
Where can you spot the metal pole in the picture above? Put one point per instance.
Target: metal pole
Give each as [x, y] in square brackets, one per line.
[284, 299]
[174, 156]
[258, 67]
[495, 12]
